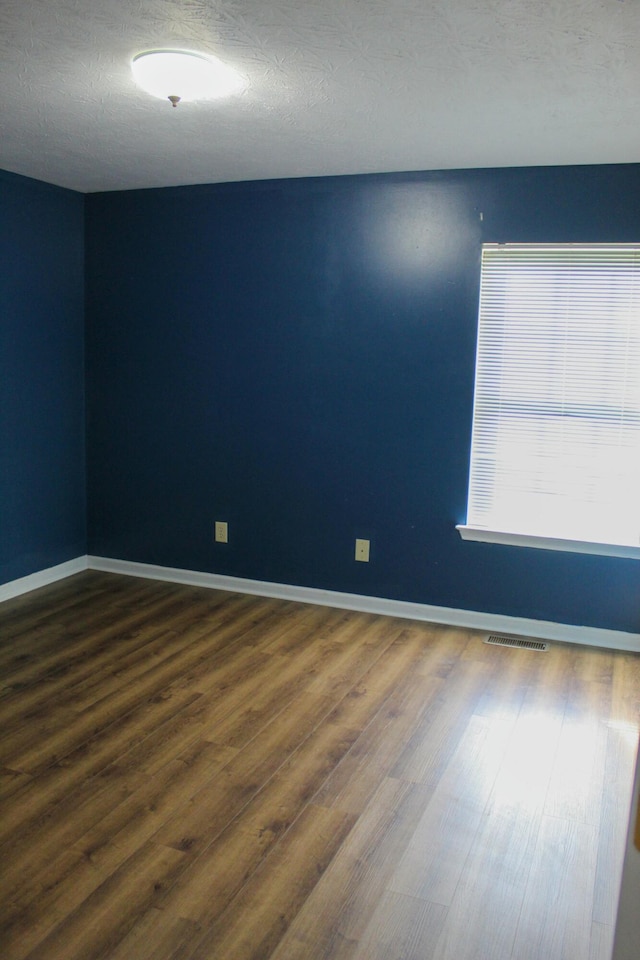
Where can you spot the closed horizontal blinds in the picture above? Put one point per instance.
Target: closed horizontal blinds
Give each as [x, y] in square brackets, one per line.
[556, 427]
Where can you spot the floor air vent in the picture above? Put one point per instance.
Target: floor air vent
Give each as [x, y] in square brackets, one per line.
[517, 642]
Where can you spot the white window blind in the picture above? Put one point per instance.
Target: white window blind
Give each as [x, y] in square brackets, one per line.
[556, 424]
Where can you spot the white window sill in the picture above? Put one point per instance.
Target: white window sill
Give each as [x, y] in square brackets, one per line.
[547, 543]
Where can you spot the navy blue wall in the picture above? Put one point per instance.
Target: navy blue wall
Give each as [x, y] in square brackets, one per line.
[42, 448]
[297, 358]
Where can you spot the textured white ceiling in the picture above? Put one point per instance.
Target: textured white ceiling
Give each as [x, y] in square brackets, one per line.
[334, 87]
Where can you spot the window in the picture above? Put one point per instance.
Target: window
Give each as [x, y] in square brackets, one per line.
[555, 451]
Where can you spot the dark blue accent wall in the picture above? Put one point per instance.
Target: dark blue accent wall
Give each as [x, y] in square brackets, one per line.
[42, 438]
[297, 358]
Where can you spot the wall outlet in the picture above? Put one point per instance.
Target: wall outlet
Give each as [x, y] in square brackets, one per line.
[362, 550]
[222, 531]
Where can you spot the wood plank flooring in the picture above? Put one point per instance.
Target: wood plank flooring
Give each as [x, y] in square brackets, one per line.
[188, 774]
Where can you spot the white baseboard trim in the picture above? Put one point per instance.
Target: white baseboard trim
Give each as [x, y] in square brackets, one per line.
[493, 623]
[42, 578]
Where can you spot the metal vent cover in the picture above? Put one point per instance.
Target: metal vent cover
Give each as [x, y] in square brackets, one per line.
[518, 642]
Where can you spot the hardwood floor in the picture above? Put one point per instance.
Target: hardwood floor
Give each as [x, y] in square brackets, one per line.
[191, 775]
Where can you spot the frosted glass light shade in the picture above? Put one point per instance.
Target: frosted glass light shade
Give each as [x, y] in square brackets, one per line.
[183, 75]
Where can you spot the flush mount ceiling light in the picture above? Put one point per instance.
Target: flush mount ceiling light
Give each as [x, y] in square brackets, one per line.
[177, 75]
